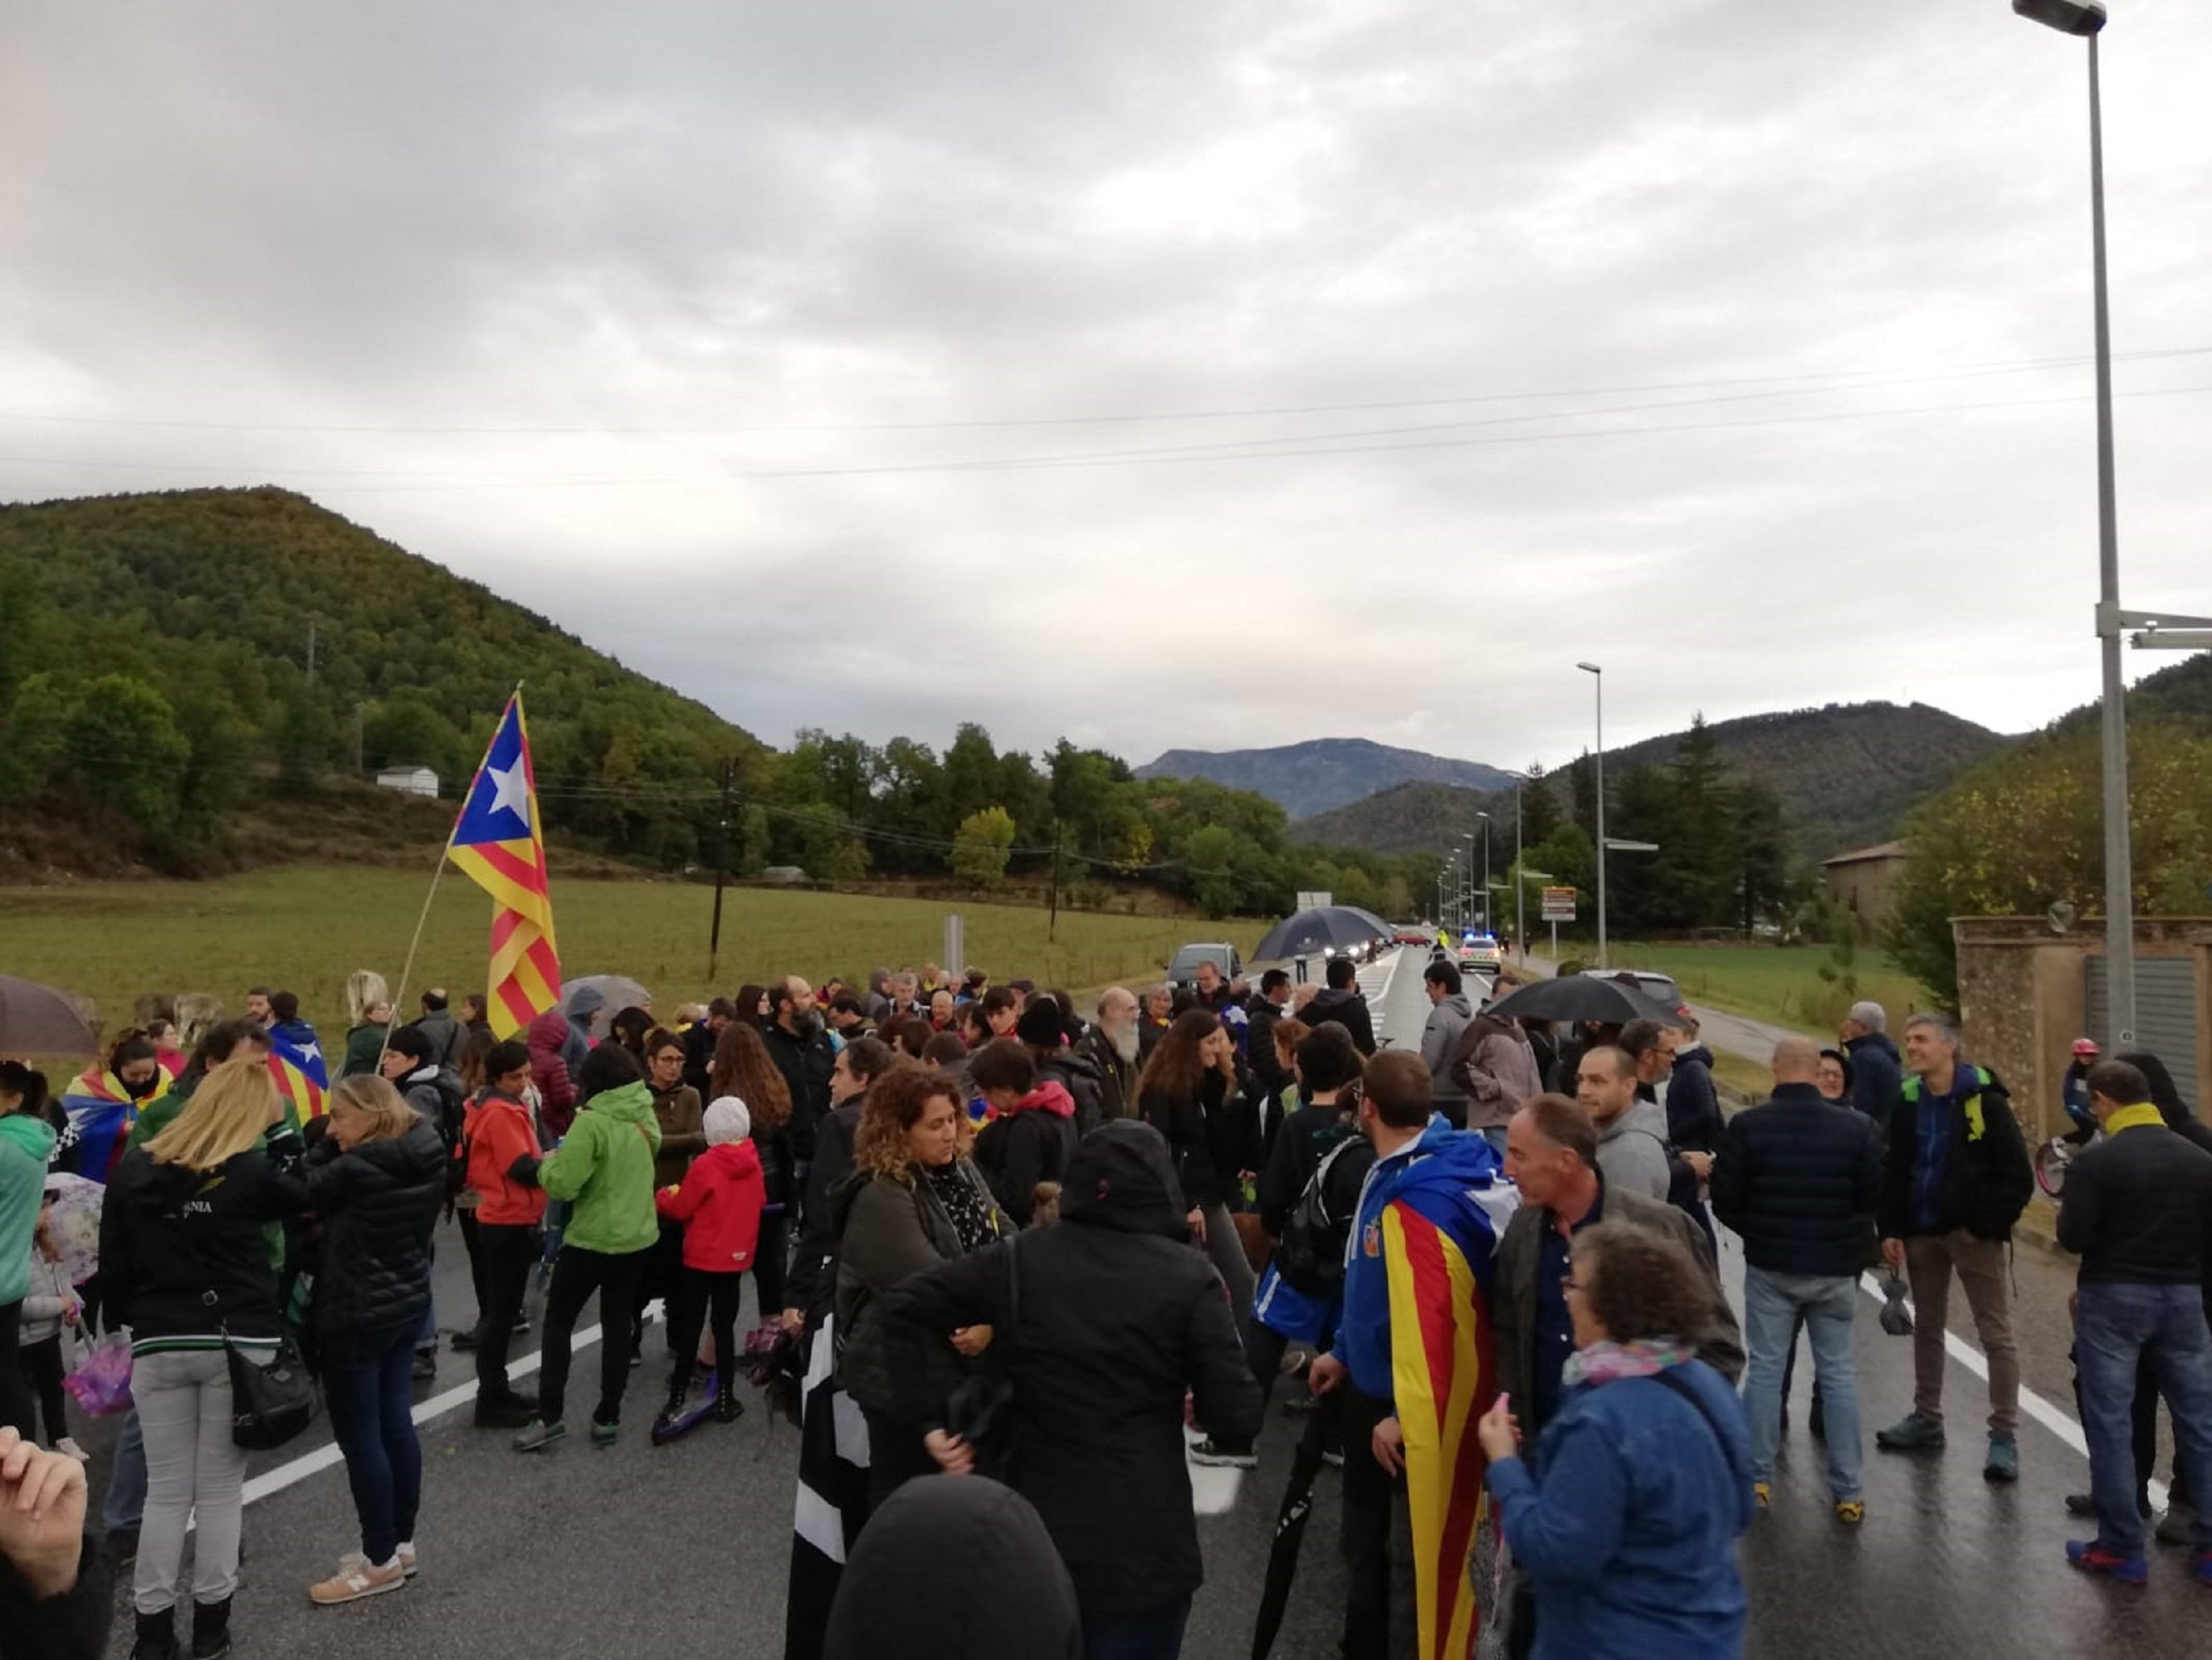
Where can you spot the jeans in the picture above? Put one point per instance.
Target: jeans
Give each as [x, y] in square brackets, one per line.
[193, 1468]
[366, 1377]
[125, 1504]
[1150, 1634]
[509, 1252]
[1930, 1261]
[1772, 1305]
[2114, 1325]
[577, 1273]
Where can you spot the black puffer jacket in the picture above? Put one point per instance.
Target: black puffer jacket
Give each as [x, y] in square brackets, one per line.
[1349, 1010]
[1799, 1178]
[169, 1234]
[1119, 1317]
[805, 1064]
[379, 1205]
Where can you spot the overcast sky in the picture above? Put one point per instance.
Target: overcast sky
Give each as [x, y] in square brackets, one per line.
[690, 325]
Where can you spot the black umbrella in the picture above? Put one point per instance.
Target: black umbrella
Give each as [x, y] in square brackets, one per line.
[1583, 997]
[1340, 926]
[36, 1020]
[1291, 1526]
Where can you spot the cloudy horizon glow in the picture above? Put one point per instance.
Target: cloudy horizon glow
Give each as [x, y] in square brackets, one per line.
[1165, 376]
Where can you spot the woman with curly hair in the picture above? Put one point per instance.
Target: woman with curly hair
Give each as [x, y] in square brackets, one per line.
[743, 1068]
[1626, 1524]
[914, 1201]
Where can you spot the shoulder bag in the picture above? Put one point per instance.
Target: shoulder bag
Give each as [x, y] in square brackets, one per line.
[271, 1400]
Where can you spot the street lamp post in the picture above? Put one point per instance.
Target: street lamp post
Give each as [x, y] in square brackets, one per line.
[1485, 817]
[1598, 673]
[1520, 880]
[2084, 19]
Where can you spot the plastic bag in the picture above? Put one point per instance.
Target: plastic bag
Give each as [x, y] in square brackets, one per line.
[1896, 1317]
[100, 1381]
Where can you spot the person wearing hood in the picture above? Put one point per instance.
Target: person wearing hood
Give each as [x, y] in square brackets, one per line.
[1450, 1013]
[1043, 1028]
[377, 1179]
[1429, 1216]
[502, 1156]
[1022, 1609]
[26, 1143]
[545, 1037]
[914, 1201]
[718, 1208]
[1631, 1132]
[184, 1263]
[1497, 1065]
[102, 1105]
[1032, 1133]
[1116, 1323]
[577, 1041]
[1342, 1002]
[604, 1170]
[1877, 1069]
[1694, 1121]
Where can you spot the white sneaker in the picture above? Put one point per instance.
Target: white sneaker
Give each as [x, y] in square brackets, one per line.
[357, 1577]
[70, 1448]
[406, 1555]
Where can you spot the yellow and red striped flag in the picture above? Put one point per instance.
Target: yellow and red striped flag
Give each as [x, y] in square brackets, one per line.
[499, 842]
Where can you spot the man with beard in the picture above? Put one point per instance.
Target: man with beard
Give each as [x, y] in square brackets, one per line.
[1110, 1046]
[804, 1055]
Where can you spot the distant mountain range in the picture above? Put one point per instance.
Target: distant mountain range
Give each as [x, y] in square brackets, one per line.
[1846, 774]
[1323, 773]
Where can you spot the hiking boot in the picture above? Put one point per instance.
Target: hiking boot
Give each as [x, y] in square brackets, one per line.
[157, 1637]
[602, 1433]
[2092, 1556]
[211, 1630]
[2003, 1462]
[2176, 1527]
[1214, 1455]
[356, 1578]
[1851, 1511]
[1910, 1434]
[508, 1412]
[727, 1407]
[537, 1435]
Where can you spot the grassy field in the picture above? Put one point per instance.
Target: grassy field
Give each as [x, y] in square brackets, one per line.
[306, 927]
[1779, 984]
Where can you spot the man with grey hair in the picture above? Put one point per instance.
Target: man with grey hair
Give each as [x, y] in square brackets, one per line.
[1799, 1180]
[1876, 1071]
[1110, 1047]
[1956, 1179]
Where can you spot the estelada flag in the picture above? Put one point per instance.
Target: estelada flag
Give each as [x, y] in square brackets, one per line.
[302, 1076]
[499, 842]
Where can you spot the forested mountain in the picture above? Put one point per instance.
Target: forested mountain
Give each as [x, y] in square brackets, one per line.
[1312, 777]
[1844, 776]
[155, 674]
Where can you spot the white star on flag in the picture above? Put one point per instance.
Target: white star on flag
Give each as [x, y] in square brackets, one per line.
[510, 793]
[311, 1051]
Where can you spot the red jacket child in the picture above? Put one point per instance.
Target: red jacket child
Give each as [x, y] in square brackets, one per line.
[720, 1198]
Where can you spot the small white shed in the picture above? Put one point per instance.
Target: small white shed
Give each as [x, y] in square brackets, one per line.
[408, 780]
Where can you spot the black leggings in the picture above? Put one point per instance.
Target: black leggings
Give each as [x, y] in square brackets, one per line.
[697, 1290]
[42, 1374]
[577, 1273]
[770, 1259]
[508, 1252]
[15, 1409]
[663, 1278]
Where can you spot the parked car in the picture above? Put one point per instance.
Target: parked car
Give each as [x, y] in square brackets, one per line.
[1183, 970]
[1659, 987]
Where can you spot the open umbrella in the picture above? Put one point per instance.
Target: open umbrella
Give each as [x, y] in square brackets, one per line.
[617, 993]
[1583, 997]
[1340, 928]
[1291, 1527]
[37, 1020]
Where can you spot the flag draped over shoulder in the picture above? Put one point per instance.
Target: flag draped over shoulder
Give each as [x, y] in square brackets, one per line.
[1439, 1239]
[499, 842]
[302, 1076]
[101, 1114]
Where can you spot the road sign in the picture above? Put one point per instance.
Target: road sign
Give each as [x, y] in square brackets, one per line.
[1315, 901]
[1559, 905]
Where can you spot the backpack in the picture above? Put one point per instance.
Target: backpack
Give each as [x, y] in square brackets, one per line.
[1310, 1258]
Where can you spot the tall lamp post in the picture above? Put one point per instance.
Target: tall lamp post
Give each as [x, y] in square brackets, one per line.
[1520, 880]
[1598, 674]
[2084, 19]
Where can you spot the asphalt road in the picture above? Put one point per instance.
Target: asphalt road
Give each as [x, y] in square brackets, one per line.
[584, 1553]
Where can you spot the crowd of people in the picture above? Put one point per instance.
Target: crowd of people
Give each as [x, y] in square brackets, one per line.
[996, 1236]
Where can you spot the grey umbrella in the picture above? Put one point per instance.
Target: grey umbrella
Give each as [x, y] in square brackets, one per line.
[617, 993]
[36, 1020]
[1583, 997]
[1327, 927]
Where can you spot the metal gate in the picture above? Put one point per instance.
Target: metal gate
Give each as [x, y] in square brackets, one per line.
[2165, 1014]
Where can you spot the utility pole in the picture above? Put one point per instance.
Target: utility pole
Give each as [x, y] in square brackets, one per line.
[360, 738]
[311, 651]
[722, 873]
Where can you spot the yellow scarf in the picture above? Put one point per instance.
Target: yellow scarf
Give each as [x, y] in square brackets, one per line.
[2135, 1118]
